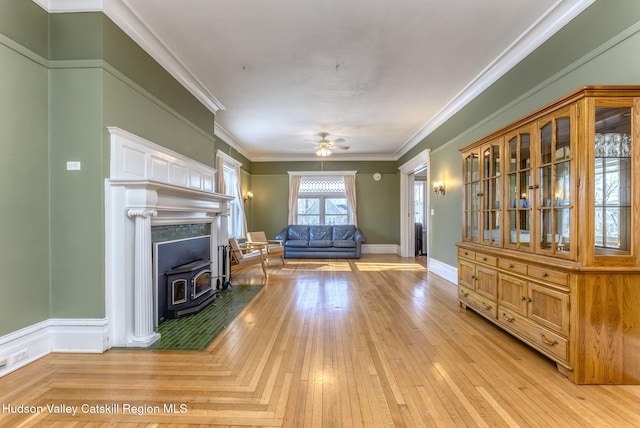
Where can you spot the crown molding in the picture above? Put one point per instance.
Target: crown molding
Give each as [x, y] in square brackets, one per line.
[540, 31]
[135, 27]
[232, 141]
[331, 158]
[67, 6]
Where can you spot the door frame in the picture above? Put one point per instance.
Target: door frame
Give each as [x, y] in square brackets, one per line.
[407, 225]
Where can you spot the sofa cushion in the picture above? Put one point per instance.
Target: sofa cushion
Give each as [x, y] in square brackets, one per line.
[320, 233]
[344, 243]
[320, 243]
[298, 232]
[343, 232]
[297, 243]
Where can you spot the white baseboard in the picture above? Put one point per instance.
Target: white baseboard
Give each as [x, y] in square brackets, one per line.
[448, 272]
[26, 345]
[380, 249]
[79, 335]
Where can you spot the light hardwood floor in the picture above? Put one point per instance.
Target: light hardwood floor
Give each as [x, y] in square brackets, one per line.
[375, 342]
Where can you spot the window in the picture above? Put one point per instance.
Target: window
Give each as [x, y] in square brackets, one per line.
[419, 188]
[231, 186]
[323, 199]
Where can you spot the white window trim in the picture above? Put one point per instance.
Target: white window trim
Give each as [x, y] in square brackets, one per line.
[228, 159]
[324, 174]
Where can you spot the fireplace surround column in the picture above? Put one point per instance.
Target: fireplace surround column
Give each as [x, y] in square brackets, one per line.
[143, 334]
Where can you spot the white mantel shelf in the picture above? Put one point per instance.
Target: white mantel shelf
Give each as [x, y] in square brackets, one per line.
[170, 198]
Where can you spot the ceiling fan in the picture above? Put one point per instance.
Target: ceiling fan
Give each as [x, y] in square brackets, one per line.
[324, 146]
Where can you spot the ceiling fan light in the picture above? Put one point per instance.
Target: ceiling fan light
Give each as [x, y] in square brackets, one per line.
[323, 151]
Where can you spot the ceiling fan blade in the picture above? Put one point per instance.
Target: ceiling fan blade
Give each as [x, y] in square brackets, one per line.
[340, 147]
[340, 140]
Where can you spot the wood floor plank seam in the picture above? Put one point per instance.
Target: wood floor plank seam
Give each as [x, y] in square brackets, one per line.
[374, 342]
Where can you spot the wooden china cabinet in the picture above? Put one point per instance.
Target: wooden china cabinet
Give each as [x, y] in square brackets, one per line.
[551, 232]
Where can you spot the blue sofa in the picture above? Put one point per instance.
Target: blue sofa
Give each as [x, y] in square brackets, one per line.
[322, 242]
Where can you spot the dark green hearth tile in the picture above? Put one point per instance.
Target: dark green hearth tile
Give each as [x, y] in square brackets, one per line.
[197, 331]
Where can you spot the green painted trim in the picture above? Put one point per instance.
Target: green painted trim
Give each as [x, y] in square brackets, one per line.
[26, 23]
[142, 91]
[26, 52]
[101, 64]
[602, 49]
[58, 64]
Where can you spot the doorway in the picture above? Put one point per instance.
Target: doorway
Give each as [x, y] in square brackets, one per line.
[420, 212]
[413, 171]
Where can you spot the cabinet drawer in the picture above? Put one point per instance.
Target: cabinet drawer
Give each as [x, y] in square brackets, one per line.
[486, 259]
[464, 293]
[513, 266]
[467, 254]
[549, 275]
[485, 306]
[542, 338]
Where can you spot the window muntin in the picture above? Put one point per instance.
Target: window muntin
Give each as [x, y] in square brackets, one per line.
[322, 200]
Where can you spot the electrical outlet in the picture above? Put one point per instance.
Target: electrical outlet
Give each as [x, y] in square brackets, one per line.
[3, 364]
[20, 355]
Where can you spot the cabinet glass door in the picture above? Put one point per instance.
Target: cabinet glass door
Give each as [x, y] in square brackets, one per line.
[490, 194]
[471, 195]
[520, 190]
[555, 203]
[612, 183]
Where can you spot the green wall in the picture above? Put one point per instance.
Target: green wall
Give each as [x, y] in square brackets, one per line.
[77, 249]
[65, 77]
[24, 189]
[585, 52]
[377, 202]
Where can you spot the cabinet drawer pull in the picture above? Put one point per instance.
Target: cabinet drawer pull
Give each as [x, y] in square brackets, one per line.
[486, 307]
[544, 274]
[464, 294]
[547, 341]
[529, 299]
[473, 277]
[484, 259]
[510, 265]
[523, 298]
[508, 318]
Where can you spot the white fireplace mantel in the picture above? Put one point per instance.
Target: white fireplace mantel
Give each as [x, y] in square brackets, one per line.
[149, 185]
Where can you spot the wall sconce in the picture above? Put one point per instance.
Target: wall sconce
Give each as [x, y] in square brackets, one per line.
[438, 188]
[247, 197]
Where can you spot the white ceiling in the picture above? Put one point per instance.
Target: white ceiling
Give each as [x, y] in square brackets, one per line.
[381, 74]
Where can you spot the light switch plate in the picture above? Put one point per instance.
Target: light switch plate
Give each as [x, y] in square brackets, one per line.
[73, 166]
